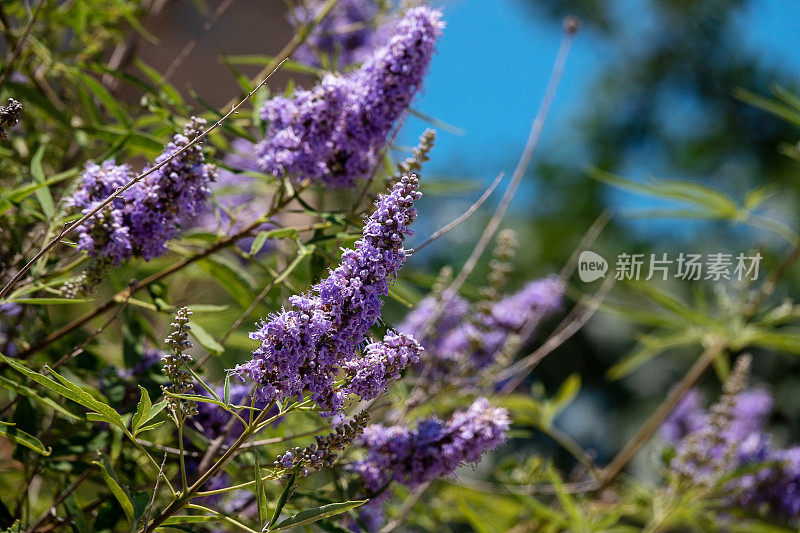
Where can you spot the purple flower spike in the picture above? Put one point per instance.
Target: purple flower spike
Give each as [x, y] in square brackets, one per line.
[333, 132]
[303, 348]
[434, 449]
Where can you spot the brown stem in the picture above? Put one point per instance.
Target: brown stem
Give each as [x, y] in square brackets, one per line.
[712, 351]
[100, 206]
[51, 513]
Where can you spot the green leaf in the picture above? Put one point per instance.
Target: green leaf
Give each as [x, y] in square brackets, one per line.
[259, 242]
[310, 516]
[49, 301]
[11, 432]
[102, 94]
[714, 202]
[231, 277]
[148, 427]
[650, 347]
[780, 110]
[34, 395]
[110, 477]
[261, 495]
[142, 411]
[285, 495]
[205, 339]
[282, 233]
[42, 193]
[68, 390]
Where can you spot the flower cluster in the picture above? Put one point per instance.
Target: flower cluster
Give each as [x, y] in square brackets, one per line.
[180, 381]
[304, 348]
[9, 116]
[347, 35]
[450, 329]
[333, 132]
[323, 453]
[140, 221]
[150, 356]
[381, 364]
[730, 436]
[433, 450]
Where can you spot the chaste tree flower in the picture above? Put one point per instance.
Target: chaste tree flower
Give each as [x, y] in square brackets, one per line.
[453, 331]
[141, 220]
[305, 347]
[347, 35]
[333, 132]
[712, 445]
[433, 450]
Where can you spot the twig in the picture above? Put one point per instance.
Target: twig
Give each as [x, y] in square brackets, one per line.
[580, 314]
[468, 213]
[713, 350]
[178, 60]
[522, 165]
[47, 515]
[155, 488]
[405, 510]
[20, 44]
[75, 225]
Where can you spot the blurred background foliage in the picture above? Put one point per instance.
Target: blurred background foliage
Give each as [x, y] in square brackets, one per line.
[683, 97]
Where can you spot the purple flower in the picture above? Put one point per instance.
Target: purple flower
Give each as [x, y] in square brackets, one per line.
[171, 195]
[433, 450]
[382, 363]
[333, 132]
[461, 333]
[149, 213]
[10, 325]
[430, 330]
[303, 348]
[150, 356]
[773, 488]
[347, 35]
[687, 417]
[107, 233]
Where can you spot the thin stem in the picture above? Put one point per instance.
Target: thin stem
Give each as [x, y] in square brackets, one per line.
[714, 349]
[100, 206]
[20, 45]
[465, 215]
[137, 286]
[522, 165]
[182, 460]
[221, 516]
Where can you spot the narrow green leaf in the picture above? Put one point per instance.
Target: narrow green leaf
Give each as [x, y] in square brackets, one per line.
[285, 495]
[205, 339]
[142, 411]
[67, 389]
[110, 477]
[42, 193]
[49, 301]
[11, 432]
[258, 242]
[34, 395]
[261, 495]
[310, 516]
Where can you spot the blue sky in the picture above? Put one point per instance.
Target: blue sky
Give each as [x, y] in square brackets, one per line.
[494, 61]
